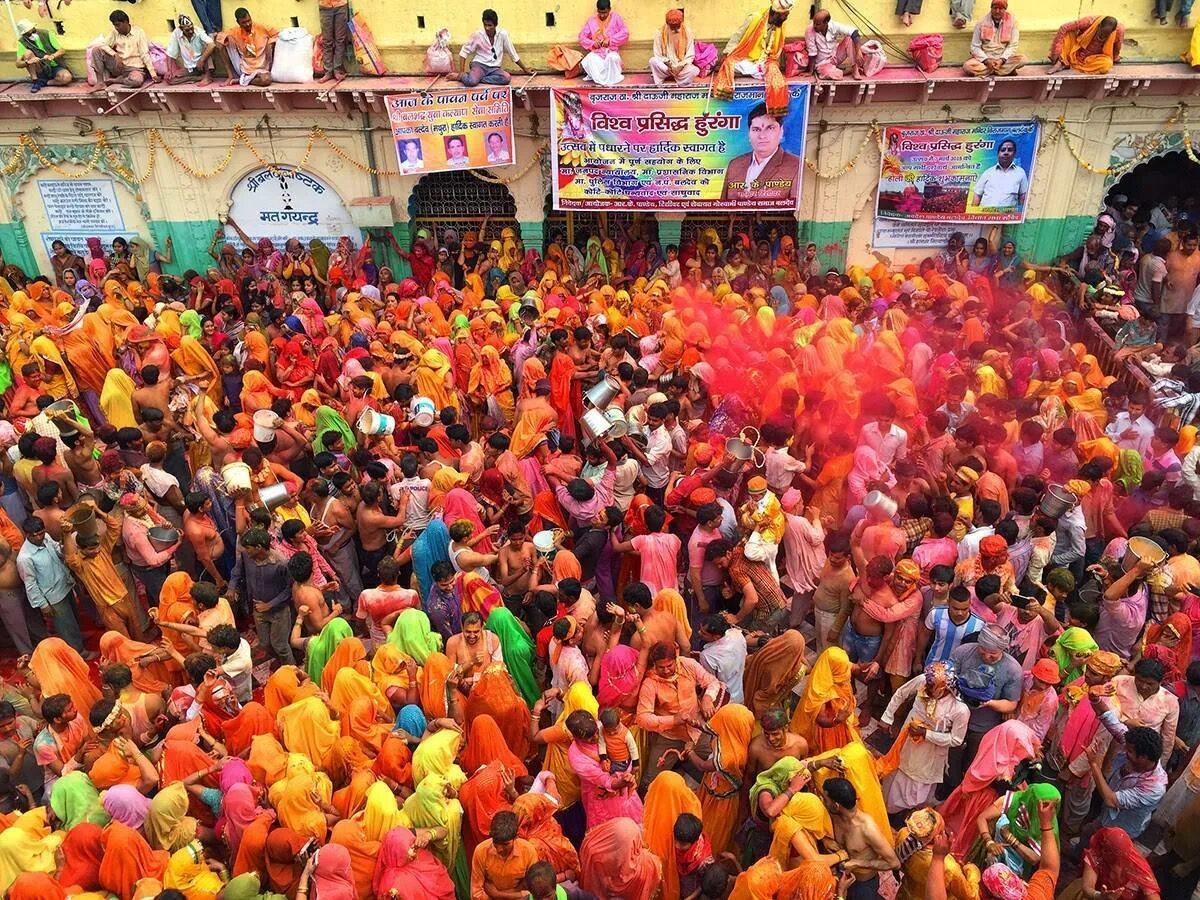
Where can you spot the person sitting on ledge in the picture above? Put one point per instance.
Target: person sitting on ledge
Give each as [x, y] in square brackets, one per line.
[251, 47]
[1091, 45]
[192, 49]
[41, 56]
[833, 48]
[674, 56]
[994, 44]
[602, 37]
[124, 56]
[483, 54]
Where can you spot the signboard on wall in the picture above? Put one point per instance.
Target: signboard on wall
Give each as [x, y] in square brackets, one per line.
[898, 234]
[676, 149]
[439, 131]
[85, 205]
[967, 172]
[289, 203]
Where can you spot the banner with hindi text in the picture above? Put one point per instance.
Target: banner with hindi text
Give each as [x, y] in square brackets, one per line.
[448, 130]
[964, 172]
[676, 149]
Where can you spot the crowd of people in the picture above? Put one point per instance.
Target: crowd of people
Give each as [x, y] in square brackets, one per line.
[824, 48]
[624, 571]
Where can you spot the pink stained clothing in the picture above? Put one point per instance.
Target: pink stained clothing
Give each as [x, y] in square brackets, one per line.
[1079, 728]
[322, 572]
[883, 539]
[659, 560]
[567, 666]
[376, 604]
[461, 504]
[1159, 711]
[999, 753]
[137, 543]
[1026, 637]
[903, 615]
[933, 551]
[803, 553]
[1040, 720]
[867, 468]
[619, 680]
[1189, 604]
[593, 782]
[614, 29]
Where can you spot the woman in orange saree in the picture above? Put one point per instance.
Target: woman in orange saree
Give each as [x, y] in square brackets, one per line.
[668, 798]
[720, 788]
[253, 720]
[58, 669]
[1091, 45]
[349, 833]
[825, 715]
[536, 822]
[175, 604]
[482, 797]
[286, 685]
[193, 360]
[128, 859]
[485, 744]
[495, 695]
[348, 653]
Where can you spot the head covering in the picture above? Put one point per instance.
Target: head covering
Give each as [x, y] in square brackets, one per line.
[998, 879]
[1047, 670]
[1104, 663]
[993, 637]
[1071, 643]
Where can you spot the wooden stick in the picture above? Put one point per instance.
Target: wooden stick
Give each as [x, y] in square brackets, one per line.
[435, 81]
[149, 81]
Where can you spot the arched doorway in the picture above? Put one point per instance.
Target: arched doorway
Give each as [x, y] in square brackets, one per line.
[461, 200]
[1170, 178]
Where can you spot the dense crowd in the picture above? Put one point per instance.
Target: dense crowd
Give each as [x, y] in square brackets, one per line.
[621, 571]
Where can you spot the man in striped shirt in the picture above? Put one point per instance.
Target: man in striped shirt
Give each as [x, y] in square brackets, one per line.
[945, 627]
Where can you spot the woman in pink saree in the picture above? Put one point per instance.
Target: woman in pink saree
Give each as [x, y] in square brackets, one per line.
[605, 795]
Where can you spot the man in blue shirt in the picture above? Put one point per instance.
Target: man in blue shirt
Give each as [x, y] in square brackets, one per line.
[48, 581]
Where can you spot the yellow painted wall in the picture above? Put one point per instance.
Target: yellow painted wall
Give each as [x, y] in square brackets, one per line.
[1061, 189]
[394, 23]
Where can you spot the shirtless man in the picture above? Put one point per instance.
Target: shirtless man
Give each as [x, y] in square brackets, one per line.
[311, 607]
[155, 394]
[218, 444]
[24, 399]
[517, 558]
[51, 471]
[866, 634]
[358, 399]
[373, 526]
[143, 709]
[773, 744]
[586, 359]
[651, 625]
[474, 649]
[80, 455]
[264, 472]
[865, 850]
[202, 534]
[13, 605]
[51, 508]
[289, 442]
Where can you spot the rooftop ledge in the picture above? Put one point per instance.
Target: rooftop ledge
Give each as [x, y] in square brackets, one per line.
[894, 84]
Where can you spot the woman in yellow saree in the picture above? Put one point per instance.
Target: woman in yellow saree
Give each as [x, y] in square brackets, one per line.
[1084, 399]
[116, 399]
[720, 789]
[435, 379]
[193, 359]
[825, 715]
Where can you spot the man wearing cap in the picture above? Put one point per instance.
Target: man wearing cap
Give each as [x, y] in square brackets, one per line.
[763, 517]
[990, 682]
[1039, 699]
[40, 55]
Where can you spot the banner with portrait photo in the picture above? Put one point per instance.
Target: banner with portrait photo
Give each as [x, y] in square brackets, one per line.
[676, 149]
[440, 131]
[968, 172]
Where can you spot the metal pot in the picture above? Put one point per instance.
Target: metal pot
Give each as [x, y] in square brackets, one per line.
[83, 517]
[273, 495]
[595, 425]
[1057, 501]
[162, 538]
[1139, 548]
[600, 394]
[618, 427]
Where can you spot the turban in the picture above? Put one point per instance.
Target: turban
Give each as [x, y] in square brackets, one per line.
[1047, 670]
[1127, 313]
[993, 637]
[940, 674]
[967, 474]
[1002, 882]
[757, 485]
[993, 545]
[702, 495]
[675, 19]
[791, 499]
[704, 454]
[1078, 487]
[1104, 664]
[906, 568]
[781, 6]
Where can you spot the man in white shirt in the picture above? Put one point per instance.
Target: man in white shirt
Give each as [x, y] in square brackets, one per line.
[884, 436]
[724, 654]
[832, 47]
[483, 54]
[656, 457]
[1003, 186]
[124, 57]
[235, 659]
[192, 48]
[1130, 429]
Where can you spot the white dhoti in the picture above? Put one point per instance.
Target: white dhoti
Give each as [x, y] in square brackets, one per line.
[659, 69]
[902, 793]
[759, 549]
[748, 68]
[604, 70]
